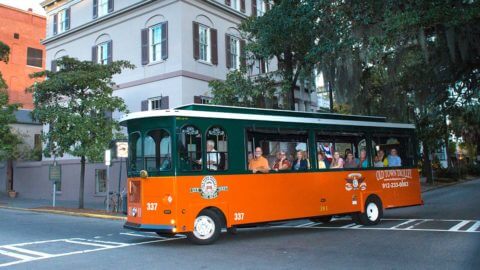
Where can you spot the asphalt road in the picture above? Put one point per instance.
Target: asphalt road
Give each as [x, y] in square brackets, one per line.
[442, 234]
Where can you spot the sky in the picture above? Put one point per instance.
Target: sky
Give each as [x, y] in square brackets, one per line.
[25, 4]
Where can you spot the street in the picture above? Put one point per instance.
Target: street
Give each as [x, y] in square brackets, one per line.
[442, 234]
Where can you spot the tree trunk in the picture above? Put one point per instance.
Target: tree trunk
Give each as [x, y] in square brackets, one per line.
[427, 164]
[82, 182]
[9, 174]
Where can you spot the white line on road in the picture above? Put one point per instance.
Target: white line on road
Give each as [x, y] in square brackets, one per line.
[106, 242]
[15, 255]
[459, 225]
[474, 227]
[305, 224]
[349, 225]
[86, 243]
[27, 251]
[416, 224]
[403, 223]
[356, 227]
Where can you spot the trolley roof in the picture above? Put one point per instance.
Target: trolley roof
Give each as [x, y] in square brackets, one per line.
[254, 114]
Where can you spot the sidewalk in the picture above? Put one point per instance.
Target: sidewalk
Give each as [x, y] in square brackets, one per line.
[95, 210]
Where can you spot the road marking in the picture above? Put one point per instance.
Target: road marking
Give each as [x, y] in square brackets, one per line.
[30, 259]
[106, 242]
[416, 224]
[15, 255]
[87, 243]
[403, 223]
[356, 227]
[305, 224]
[349, 225]
[474, 227]
[459, 225]
[141, 235]
[27, 251]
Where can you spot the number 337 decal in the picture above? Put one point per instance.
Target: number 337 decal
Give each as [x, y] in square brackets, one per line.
[238, 216]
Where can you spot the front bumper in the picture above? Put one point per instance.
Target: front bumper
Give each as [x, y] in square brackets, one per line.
[148, 228]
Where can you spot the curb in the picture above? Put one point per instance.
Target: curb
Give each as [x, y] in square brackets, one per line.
[58, 212]
[444, 185]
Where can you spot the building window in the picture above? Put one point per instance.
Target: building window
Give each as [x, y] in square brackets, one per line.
[16, 36]
[62, 21]
[155, 43]
[102, 7]
[206, 100]
[261, 7]
[204, 39]
[34, 57]
[100, 181]
[235, 52]
[263, 66]
[155, 104]
[102, 53]
[235, 4]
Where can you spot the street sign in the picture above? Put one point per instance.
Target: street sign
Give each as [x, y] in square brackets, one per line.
[122, 149]
[108, 157]
[55, 173]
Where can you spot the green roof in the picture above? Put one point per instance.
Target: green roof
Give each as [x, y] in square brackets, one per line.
[245, 110]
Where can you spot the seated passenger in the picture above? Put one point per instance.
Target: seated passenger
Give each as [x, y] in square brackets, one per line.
[301, 163]
[337, 162]
[377, 162]
[258, 163]
[282, 162]
[363, 163]
[393, 159]
[322, 161]
[213, 158]
[165, 163]
[382, 157]
[350, 161]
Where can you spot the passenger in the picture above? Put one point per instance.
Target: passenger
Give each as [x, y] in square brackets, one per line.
[363, 163]
[393, 159]
[350, 161]
[378, 163]
[382, 157]
[301, 163]
[322, 161]
[327, 150]
[250, 156]
[213, 158]
[346, 152]
[282, 162]
[337, 162]
[258, 163]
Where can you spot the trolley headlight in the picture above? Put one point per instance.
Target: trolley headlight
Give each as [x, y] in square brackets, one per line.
[169, 199]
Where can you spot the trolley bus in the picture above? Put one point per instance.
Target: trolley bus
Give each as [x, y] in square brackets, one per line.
[190, 168]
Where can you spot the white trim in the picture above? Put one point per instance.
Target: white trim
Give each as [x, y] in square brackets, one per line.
[259, 117]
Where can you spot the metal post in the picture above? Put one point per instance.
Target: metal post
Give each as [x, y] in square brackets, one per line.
[119, 180]
[54, 192]
[108, 189]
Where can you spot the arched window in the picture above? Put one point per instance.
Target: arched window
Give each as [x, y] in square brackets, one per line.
[190, 148]
[135, 152]
[217, 154]
[157, 150]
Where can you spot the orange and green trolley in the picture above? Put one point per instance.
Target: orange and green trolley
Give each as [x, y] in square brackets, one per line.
[188, 169]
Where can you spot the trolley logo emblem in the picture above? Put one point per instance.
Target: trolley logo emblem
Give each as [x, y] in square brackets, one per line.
[208, 188]
[355, 181]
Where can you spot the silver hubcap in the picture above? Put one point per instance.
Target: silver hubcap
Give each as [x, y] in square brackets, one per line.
[204, 227]
[372, 211]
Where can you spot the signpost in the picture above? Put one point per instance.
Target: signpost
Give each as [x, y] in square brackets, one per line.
[121, 152]
[108, 161]
[55, 175]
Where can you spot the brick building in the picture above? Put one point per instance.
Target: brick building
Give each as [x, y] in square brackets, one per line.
[22, 31]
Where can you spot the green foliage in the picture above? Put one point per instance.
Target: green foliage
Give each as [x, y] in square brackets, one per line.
[241, 90]
[8, 140]
[73, 102]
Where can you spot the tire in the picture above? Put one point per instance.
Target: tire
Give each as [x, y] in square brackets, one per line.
[323, 219]
[373, 212]
[206, 228]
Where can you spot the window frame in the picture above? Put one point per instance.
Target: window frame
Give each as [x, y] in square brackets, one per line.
[157, 100]
[261, 7]
[153, 58]
[102, 8]
[206, 45]
[62, 21]
[29, 57]
[226, 153]
[130, 156]
[234, 57]
[180, 154]
[157, 172]
[97, 185]
[100, 47]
